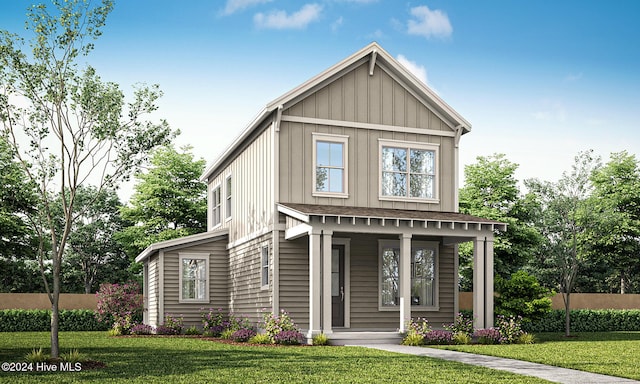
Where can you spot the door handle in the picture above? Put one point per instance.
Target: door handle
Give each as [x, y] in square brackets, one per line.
[341, 293]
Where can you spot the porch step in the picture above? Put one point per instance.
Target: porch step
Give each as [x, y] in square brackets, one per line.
[364, 338]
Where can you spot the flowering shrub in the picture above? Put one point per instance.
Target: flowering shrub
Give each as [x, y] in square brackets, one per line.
[213, 323]
[461, 324]
[119, 305]
[243, 335]
[420, 326]
[164, 330]
[235, 323]
[276, 324]
[142, 329]
[487, 336]
[510, 328]
[172, 326]
[438, 337]
[289, 338]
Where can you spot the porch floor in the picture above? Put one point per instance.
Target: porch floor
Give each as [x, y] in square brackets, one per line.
[364, 337]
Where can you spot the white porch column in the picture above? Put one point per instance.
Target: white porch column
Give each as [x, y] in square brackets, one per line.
[405, 280]
[326, 281]
[314, 283]
[483, 282]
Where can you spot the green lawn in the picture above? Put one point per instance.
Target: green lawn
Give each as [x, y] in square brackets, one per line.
[609, 353]
[192, 360]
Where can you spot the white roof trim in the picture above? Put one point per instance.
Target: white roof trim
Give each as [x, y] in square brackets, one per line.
[181, 242]
[376, 54]
[293, 213]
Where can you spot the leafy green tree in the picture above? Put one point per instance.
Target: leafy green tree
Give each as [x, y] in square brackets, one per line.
[491, 191]
[169, 201]
[566, 216]
[67, 127]
[522, 295]
[616, 241]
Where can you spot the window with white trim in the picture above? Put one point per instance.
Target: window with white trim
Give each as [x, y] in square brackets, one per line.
[227, 208]
[216, 206]
[330, 165]
[265, 266]
[408, 170]
[194, 277]
[424, 263]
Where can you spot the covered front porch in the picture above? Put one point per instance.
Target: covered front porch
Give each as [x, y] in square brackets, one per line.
[372, 270]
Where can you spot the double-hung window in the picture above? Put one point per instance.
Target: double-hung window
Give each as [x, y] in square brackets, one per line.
[408, 170]
[216, 204]
[424, 280]
[330, 158]
[227, 208]
[194, 277]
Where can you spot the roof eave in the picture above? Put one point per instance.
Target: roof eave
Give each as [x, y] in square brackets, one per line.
[180, 242]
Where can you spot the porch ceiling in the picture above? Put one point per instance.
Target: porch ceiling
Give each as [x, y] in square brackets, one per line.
[447, 223]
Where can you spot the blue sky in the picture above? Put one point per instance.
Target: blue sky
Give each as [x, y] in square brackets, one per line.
[538, 80]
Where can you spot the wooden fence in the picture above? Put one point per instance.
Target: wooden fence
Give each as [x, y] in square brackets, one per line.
[41, 301]
[578, 301]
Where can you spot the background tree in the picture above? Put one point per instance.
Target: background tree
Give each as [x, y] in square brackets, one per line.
[566, 214]
[616, 241]
[17, 200]
[522, 295]
[169, 201]
[491, 191]
[94, 255]
[77, 128]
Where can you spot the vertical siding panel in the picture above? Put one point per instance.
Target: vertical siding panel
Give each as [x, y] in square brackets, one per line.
[336, 100]
[375, 98]
[362, 96]
[310, 106]
[322, 103]
[399, 105]
[387, 99]
[349, 103]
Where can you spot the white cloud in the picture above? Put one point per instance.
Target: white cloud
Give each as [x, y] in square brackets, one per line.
[418, 70]
[337, 24]
[238, 5]
[429, 23]
[573, 77]
[552, 111]
[281, 20]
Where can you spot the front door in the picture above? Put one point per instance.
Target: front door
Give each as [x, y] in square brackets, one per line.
[337, 286]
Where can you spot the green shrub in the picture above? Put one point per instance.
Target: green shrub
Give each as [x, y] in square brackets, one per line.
[522, 296]
[193, 330]
[413, 339]
[227, 334]
[39, 320]
[261, 338]
[320, 339]
[526, 338]
[588, 320]
[73, 356]
[36, 356]
[461, 338]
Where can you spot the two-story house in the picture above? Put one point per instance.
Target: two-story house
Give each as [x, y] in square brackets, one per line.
[337, 203]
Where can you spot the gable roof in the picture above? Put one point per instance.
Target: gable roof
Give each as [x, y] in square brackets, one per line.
[182, 242]
[376, 56]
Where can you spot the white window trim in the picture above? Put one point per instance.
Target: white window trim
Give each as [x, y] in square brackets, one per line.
[197, 256]
[228, 208]
[344, 140]
[410, 145]
[213, 202]
[382, 243]
[262, 266]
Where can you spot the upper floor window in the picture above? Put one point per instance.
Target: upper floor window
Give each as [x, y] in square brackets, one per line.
[330, 165]
[227, 207]
[408, 170]
[194, 277]
[216, 204]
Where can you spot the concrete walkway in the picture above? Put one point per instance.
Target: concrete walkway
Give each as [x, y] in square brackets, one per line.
[547, 372]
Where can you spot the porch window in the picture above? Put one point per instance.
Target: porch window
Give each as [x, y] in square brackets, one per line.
[330, 165]
[216, 205]
[194, 277]
[408, 170]
[423, 274]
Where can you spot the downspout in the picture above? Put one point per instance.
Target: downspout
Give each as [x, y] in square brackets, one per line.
[456, 165]
[275, 193]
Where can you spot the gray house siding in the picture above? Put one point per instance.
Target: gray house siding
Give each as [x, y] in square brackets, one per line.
[247, 295]
[218, 287]
[294, 279]
[153, 294]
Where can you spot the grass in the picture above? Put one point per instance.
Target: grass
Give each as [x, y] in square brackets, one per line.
[194, 360]
[609, 353]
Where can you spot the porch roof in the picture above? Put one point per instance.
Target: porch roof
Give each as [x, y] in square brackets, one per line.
[304, 213]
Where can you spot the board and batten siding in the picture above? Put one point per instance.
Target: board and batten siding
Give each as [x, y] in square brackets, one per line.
[153, 291]
[360, 98]
[248, 298]
[252, 198]
[218, 286]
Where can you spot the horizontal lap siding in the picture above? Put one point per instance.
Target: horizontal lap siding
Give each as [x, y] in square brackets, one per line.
[294, 279]
[218, 282]
[364, 287]
[152, 291]
[247, 298]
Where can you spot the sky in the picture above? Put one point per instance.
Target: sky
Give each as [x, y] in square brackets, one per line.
[538, 80]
